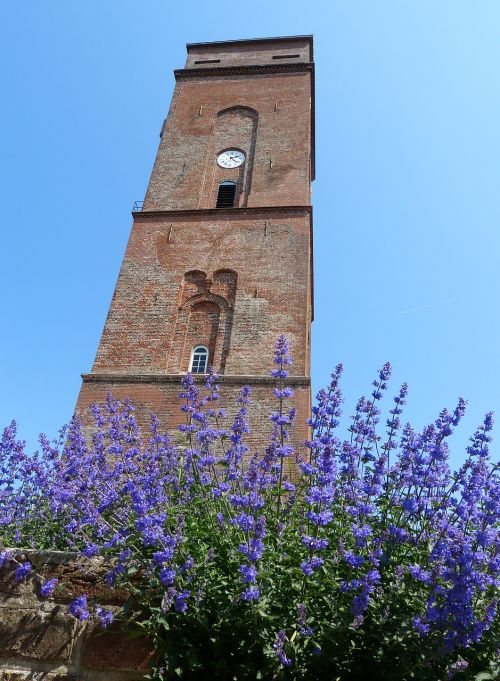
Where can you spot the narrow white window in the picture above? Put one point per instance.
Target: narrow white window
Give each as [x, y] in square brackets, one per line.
[199, 360]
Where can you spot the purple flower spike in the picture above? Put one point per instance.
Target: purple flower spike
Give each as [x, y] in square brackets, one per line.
[48, 587]
[180, 601]
[105, 616]
[78, 608]
[281, 357]
[249, 573]
[279, 647]
[22, 571]
[4, 557]
[251, 594]
[167, 576]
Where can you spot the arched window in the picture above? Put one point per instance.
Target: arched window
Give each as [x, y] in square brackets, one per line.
[199, 360]
[226, 194]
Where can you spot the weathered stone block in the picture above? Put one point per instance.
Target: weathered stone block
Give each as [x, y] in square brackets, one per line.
[13, 676]
[111, 649]
[8, 584]
[35, 635]
[16, 675]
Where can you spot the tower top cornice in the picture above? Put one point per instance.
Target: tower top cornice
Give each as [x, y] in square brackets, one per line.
[255, 42]
[288, 49]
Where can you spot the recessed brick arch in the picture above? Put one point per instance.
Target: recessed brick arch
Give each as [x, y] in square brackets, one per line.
[202, 328]
[234, 127]
[206, 297]
[204, 317]
[194, 282]
[248, 110]
[224, 282]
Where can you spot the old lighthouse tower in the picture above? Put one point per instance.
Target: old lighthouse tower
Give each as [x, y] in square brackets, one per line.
[219, 260]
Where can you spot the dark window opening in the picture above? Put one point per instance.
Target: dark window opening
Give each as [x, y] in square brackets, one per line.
[208, 61]
[286, 56]
[226, 194]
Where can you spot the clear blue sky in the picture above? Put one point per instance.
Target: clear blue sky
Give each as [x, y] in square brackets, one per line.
[406, 200]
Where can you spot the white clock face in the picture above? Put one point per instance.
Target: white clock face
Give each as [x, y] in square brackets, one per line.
[232, 158]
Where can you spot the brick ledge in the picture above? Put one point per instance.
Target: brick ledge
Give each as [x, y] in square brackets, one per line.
[244, 69]
[176, 378]
[235, 212]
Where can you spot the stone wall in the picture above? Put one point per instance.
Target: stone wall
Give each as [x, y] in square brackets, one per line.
[39, 639]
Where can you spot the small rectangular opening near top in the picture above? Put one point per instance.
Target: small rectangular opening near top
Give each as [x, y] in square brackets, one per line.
[207, 61]
[226, 194]
[286, 56]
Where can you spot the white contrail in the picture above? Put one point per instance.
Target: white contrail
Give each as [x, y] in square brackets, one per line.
[425, 307]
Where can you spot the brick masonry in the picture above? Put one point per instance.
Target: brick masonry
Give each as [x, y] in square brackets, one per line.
[161, 396]
[230, 279]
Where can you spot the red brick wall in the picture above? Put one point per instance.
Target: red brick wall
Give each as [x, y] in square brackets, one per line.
[230, 279]
[185, 173]
[270, 254]
[160, 396]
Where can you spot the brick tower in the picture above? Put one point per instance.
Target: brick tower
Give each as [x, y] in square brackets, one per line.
[219, 260]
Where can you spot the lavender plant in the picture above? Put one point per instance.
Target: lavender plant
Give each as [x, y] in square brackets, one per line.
[351, 556]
